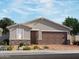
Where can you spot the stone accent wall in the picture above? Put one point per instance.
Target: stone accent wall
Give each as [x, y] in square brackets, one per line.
[17, 42]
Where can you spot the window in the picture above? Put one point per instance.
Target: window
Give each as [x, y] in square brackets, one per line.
[19, 33]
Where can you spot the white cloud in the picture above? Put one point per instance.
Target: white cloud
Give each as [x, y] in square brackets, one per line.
[50, 8]
[45, 1]
[4, 15]
[19, 11]
[5, 11]
[61, 3]
[14, 6]
[43, 6]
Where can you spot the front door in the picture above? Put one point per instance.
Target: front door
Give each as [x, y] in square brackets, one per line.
[34, 37]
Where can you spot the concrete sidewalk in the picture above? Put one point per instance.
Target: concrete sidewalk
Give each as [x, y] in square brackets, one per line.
[37, 52]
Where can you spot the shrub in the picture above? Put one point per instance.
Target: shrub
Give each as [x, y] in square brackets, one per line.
[46, 47]
[21, 44]
[36, 47]
[9, 48]
[3, 42]
[27, 48]
[6, 41]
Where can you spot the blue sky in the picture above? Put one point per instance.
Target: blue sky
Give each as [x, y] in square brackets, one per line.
[26, 10]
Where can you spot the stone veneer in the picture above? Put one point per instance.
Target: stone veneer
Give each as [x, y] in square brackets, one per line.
[17, 42]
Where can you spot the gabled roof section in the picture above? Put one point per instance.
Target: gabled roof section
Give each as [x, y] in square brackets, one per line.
[18, 25]
[44, 19]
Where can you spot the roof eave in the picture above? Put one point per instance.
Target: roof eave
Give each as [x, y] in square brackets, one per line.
[19, 25]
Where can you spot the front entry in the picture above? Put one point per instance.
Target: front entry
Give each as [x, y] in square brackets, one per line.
[34, 37]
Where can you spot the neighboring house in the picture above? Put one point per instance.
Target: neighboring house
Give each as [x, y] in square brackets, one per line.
[3, 36]
[76, 38]
[1, 30]
[39, 31]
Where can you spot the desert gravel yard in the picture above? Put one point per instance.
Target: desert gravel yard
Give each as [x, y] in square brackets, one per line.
[61, 47]
[41, 47]
[55, 47]
[53, 52]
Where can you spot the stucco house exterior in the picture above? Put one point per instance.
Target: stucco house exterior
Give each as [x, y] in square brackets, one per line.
[3, 36]
[39, 31]
[1, 30]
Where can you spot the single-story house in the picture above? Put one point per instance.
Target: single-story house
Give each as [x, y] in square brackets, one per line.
[39, 31]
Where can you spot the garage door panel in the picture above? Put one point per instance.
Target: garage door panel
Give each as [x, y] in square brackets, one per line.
[54, 37]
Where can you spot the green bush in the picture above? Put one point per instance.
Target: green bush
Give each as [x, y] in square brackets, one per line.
[4, 42]
[46, 47]
[36, 47]
[27, 48]
[9, 48]
[21, 44]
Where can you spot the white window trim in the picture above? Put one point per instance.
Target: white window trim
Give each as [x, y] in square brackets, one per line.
[19, 32]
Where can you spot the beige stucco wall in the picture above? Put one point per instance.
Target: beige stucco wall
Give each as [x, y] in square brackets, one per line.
[73, 38]
[1, 30]
[37, 26]
[26, 35]
[69, 36]
[42, 27]
[12, 34]
[77, 38]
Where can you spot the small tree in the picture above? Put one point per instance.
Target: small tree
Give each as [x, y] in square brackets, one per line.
[4, 22]
[73, 23]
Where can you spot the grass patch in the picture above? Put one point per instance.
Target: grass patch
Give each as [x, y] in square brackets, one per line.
[9, 48]
[36, 47]
[46, 47]
[26, 48]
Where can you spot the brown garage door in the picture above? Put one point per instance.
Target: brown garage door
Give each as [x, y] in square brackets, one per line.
[54, 37]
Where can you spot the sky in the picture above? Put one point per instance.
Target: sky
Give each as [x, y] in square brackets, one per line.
[26, 10]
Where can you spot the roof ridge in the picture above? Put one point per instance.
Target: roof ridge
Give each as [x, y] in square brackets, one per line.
[42, 18]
